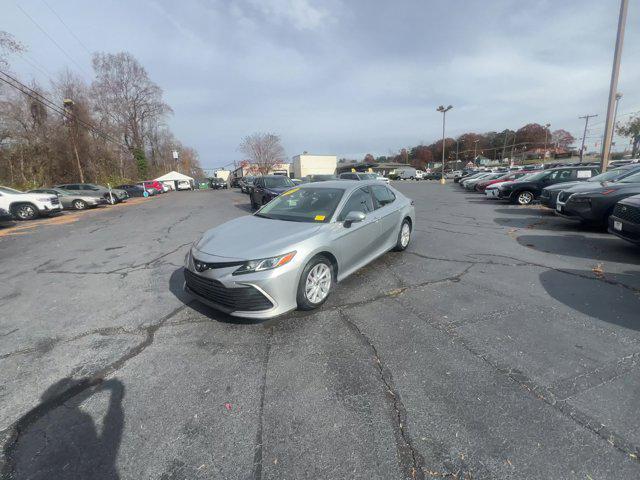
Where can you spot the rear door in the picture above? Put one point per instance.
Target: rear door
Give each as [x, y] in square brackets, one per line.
[355, 244]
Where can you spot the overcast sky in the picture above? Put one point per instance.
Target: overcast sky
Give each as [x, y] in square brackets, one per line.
[347, 77]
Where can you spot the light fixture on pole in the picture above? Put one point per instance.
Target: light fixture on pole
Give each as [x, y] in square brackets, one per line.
[444, 111]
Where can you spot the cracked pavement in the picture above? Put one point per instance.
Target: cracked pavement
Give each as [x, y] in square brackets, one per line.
[503, 344]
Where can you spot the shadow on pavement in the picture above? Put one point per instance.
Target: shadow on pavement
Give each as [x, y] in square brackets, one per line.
[176, 286]
[543, 212]
[604, 248]
[60, 440]
[608, 302]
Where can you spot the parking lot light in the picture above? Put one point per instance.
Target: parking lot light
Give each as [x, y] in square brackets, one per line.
[444, 111]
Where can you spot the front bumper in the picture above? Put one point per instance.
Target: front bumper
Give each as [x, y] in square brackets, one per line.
[575, 211]
[258, 295]
[624, 229]
[492, 192]
[549, 199]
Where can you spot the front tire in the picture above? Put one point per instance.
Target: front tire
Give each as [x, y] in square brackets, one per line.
[524, 198]
[404, 236]
[315, 283]
[79, 204]
[25, 211]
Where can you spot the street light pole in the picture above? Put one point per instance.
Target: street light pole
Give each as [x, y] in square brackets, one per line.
[615, 117]
[444, 111]
[613, 87]
[546, 132]
[475, 150]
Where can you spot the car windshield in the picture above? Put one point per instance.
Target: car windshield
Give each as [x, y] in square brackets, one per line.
[314, 205]
[9, 190]
[369, 176]
[277, 182]
[610, 175]
[635, 178]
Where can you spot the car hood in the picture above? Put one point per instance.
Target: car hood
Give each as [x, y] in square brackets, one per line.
[578, 187]
[251, 237]
[564, 186]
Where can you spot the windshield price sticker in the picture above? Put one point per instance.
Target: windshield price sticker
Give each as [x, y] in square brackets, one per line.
[319, 218]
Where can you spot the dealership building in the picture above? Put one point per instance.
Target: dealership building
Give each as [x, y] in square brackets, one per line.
[308, 164]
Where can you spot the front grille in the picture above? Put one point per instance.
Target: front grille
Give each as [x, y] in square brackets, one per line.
[243, 298]
[627, 212]
[55, 201]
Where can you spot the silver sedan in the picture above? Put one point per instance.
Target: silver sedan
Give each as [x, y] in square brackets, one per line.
[292, 251]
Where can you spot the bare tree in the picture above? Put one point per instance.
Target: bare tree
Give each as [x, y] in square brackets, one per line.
[263, 150]
[8, 44]
[126, 97]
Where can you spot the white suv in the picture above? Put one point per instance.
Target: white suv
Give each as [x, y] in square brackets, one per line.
[26, 206]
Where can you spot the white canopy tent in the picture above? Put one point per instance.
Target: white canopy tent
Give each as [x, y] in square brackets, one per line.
[177, 181]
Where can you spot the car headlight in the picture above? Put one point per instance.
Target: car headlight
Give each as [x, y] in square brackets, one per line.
[265, 263]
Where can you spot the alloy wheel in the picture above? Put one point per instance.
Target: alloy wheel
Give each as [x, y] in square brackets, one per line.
[318, 283]
[525, 198]
[26, 212]
[405, 235]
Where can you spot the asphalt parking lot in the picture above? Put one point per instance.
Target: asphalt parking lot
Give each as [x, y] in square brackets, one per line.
[504, 343]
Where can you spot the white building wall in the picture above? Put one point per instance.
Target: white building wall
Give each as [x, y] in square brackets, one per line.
[306, 164]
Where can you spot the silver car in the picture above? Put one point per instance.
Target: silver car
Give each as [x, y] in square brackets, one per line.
[72, 201]
[292, 251]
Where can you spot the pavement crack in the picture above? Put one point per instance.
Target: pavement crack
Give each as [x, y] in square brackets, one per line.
[20, 426]
[122, 271]
[410, 460]
[257, 456]
[541, 392]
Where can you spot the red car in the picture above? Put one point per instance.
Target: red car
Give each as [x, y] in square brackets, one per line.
[508, 177]
[153, 184]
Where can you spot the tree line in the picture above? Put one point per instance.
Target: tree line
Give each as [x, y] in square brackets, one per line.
[112, 130]
[532, 139]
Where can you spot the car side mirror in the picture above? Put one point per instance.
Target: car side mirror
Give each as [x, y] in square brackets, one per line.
[353, 217]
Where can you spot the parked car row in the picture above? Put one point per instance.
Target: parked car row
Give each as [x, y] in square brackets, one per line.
[579, 193]
[18, 205]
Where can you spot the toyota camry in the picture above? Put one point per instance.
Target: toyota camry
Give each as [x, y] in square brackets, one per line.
[291, 252]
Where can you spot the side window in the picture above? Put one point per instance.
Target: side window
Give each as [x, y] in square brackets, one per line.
[71, 187]
[359, 201]
[382, 195]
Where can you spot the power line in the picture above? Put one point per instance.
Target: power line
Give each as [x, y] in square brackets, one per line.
[50, 38]
[67, 27]
[18, 85]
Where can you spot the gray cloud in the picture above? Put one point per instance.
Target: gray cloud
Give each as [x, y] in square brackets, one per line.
[357, 76]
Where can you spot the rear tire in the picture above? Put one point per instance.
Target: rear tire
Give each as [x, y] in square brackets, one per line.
[315, 283]
[25, 211]
[404, 236]
[79, 204]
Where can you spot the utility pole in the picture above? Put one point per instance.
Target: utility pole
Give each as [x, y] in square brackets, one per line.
[70, 118]
[457, 150]
[584, 134]
[475, 150]
[504, 146]
[444, 111]
[613, 87]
